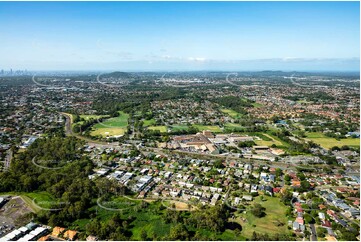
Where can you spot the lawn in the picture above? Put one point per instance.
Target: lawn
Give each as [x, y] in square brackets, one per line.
[230, 235]
[233, 126]
[87, 117]
[268, 141]
[162, 128]
[257, 105]
[179, 127]
[270, 224]
[212, 128]
[112, 126]
[117, 122]
[231, 113]
[42, 199]
[328, 142]
[148, 122]
[108, 131]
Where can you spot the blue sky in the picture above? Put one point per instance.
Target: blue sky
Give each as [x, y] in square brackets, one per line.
[180, 35]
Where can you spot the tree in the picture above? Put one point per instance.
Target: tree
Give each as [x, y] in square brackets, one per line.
[143, 234]
[308, 218]
[178, 232]
[218, 164]
[258, 211]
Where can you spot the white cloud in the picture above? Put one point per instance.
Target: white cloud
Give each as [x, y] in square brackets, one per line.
[201, 59]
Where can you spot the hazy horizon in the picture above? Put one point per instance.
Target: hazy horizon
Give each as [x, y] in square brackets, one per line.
[180, 36]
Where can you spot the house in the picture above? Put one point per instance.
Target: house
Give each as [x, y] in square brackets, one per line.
[298, 227]
[276, 189]
[296, 183]
[247, 197]
[91, 238]
[326, 224]
[300, 220]
[57, 231]
[321, 216]
[269, 190]
[70, 234]
[321, 206]
[45, 238]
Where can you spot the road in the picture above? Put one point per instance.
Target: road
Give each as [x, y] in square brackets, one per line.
[8, 158]
[313, 236]
[69, 132]
[68, 122]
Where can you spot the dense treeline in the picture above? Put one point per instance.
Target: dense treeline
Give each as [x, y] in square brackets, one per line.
[295, 147]
[313, 97]
[235, 103]
[67, 183]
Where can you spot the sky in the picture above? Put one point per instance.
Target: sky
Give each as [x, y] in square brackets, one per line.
[171, 36]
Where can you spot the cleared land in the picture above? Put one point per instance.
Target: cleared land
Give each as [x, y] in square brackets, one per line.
[161, 128]
[108, 131]
[268, 142]
[87, 117]
[14, 211]
[328, 142]
[112, 126]
[231, 113]
[212, 128]
[233, 126]
[41, 199]
[148, 122]
[179, 127]
[274, 222]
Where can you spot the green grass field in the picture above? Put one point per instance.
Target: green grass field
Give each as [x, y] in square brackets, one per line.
[111, 126]
[87, 117]
[162, 128]
[42, 199]
[179, 127]
[271, 223]
[108, 131]
[117, 122]
[328, 142]
[268, 142]
[212, 128]
[148, 122]
[257, 105]
[231, 113]
[233, 126]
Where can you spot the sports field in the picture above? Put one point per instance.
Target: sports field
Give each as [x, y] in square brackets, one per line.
[148, 122]
[233, 126]
[87, 117]
[111, 126]
[328, 142]
[231, 113]
[161, 128]
[212, 128]
[179, 127]
[268, 140]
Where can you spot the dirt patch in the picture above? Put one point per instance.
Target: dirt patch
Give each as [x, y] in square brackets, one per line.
[14, 212]
[181, 206]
